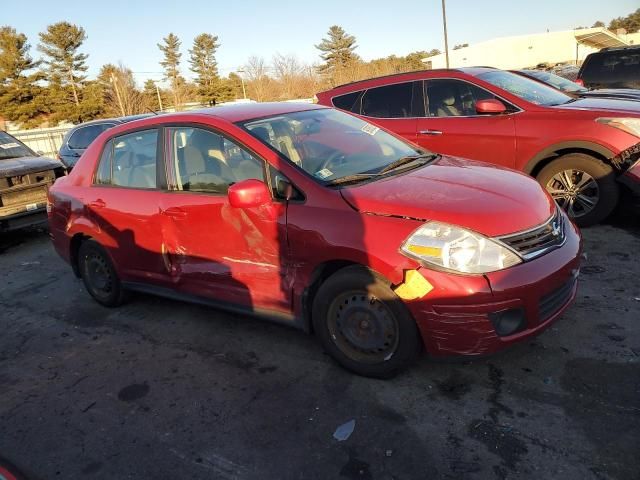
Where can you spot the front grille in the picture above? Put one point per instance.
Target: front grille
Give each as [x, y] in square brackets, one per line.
[539, 240]
[554, 301]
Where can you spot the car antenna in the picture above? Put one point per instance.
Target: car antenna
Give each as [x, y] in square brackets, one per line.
[152, 111]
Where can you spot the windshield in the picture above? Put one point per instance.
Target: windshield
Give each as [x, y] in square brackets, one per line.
[525, 88]
[556, 81]
[329, 144]
[12, 148]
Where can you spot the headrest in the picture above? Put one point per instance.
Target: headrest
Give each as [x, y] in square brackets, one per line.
[194, 161]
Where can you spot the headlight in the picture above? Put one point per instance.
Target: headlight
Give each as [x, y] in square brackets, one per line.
[627, 124]
[457, 249]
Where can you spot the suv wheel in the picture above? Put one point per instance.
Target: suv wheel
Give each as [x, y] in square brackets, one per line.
[363, 325]
[582, 185]
[99, 275]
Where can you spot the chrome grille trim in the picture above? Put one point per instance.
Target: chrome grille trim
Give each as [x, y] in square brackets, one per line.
[538, 240]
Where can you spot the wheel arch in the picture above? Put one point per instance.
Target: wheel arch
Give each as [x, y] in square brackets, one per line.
[319, 275]
[549, 154]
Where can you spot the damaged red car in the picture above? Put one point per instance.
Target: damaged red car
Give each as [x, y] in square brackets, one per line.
[320, 220]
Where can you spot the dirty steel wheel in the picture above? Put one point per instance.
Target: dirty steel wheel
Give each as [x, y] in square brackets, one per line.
[363, 325]
[99, 275]
[583, 186]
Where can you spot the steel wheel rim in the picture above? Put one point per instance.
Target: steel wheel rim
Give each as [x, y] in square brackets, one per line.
[575, 191]
[99, 275]
[363, 327]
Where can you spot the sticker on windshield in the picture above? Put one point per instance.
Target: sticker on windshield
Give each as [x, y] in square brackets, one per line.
[324, 173]
[7, 146]
[370, 129]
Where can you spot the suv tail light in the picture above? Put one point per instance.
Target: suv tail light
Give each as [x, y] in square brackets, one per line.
[579, 81]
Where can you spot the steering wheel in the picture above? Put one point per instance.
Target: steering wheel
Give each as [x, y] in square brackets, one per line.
[336, 158]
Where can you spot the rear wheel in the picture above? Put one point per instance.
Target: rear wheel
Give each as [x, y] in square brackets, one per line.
[583, 186]
[363, 325]
[99, 275]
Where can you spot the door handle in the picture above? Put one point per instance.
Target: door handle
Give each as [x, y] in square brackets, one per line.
[430, 132]
[175, 212]
[99, 203]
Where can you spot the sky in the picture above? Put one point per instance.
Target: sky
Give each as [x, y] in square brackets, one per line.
[128, 31]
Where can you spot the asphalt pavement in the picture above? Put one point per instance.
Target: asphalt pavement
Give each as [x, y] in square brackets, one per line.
[159, 389]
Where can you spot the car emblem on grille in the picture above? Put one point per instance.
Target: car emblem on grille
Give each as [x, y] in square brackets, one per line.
[555, 228]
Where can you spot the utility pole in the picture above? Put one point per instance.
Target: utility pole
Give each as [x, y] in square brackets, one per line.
[446, 41]
[159, 97]
[244, 92]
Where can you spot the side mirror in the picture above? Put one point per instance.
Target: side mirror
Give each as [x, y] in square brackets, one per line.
[249, 194]
[490, 107]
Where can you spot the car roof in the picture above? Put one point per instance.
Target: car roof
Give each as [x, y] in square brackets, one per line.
[412, 74]
[248, 111]
[118, 120]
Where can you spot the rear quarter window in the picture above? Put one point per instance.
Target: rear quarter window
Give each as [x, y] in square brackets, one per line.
[349, 102]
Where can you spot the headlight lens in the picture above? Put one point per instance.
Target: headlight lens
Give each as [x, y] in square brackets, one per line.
[627, 124]
[457, 249]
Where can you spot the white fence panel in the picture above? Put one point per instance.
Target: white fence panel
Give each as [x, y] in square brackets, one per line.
[45, 140]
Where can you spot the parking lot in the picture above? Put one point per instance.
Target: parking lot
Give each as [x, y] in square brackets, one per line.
[161, 389]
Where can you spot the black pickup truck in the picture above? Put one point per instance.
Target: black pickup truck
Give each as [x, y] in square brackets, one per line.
[25, 178]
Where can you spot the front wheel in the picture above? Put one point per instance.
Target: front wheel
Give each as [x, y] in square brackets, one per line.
[583, 186]
[363, 325]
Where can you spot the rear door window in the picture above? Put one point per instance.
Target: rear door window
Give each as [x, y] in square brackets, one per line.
[83, 136]
[400, 100]
[129, 161]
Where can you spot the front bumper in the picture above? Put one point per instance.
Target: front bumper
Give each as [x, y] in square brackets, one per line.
[456, 317]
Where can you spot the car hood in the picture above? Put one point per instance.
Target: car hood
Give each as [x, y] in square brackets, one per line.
[22, 165]
[602, 104]
[485, 198]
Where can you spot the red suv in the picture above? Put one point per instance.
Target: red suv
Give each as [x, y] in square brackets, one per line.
[580, 149]
[319, 220]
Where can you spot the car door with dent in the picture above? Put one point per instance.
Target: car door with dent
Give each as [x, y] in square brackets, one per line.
[212, 249]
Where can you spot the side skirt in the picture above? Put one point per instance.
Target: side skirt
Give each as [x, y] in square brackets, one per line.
[270, 315]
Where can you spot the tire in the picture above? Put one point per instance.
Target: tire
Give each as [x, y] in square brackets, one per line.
[592, 181]
[99, 276]
[9, 471]
[363, 325]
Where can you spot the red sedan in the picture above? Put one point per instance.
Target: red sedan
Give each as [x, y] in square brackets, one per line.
[585, 151]
[320, 220]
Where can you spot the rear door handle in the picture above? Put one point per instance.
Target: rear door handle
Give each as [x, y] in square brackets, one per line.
[175, 212]
[99, 203]
[430, 132]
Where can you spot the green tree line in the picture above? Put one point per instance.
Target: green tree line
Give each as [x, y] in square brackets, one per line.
[55, 88]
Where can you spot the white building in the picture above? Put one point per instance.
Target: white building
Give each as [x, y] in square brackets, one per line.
[523, 51]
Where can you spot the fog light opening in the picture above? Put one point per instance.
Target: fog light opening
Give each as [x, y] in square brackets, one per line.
[508, 322]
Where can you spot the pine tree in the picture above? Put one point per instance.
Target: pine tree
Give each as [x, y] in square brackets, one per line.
[150, 91]
[21, 98]
[171, 64]
[66, 65]
[337, 50]
[204, 65]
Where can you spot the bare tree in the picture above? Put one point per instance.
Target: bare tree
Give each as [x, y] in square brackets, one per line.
[296, 79]
[121, 95]
[259, 84]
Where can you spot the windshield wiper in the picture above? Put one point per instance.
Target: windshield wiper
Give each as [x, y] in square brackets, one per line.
[408, 159]
[354, 178]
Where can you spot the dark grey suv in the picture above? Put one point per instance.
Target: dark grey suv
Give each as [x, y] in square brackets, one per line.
[76, 141]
